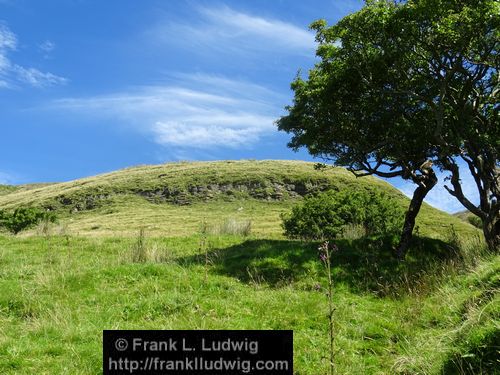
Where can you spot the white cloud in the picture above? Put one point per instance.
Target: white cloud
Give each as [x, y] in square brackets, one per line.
[11, 73]
[36, 78]
[4, 63]
[200, 111]
[440, 198]
[224, 30]
[204, 135]
[8, 40]
[47, 46]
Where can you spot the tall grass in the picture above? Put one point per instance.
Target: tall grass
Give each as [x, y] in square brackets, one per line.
[353, 231]
[232, 226]
[144, 251]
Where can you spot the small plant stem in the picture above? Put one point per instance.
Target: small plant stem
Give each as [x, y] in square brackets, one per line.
[330, 308]
[206, 264]
[204, 248]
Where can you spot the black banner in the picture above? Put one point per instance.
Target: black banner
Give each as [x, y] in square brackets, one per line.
[198, 352]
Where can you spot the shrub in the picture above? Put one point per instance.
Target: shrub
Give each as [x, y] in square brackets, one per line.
[24, 218]
[327, 215]
[474, 220]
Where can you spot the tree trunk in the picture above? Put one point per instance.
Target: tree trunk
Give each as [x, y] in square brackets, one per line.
[426, 184]
[491, 230]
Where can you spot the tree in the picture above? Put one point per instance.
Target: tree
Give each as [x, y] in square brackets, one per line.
[24, 218]
[403, 87]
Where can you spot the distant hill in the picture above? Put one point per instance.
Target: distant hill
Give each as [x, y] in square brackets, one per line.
[175, 198]
[6, 189]
[469, 218]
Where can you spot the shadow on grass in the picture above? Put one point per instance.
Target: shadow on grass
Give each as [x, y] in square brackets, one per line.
[365, 265]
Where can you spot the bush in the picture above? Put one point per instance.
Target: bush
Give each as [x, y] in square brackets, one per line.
[328, 215]
[24, 218]
[474, 220]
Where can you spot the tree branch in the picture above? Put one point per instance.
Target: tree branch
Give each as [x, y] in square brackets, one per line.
[481, 185]
[451, 166]
[368, 169]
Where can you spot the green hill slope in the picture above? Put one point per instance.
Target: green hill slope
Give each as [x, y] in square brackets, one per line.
[435, 313]
[7, 189]
[174, 199]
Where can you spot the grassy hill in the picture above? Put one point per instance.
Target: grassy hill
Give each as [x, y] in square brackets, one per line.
[435, 313]
[174, 199]
[469, 218]
[7, 189]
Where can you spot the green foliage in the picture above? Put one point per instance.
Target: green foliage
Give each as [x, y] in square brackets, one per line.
[402, 82]
[24, 218]
[377, 92]
[478, 356]
[474, 220]
[126, 210]
[327, 215]
[477, 342]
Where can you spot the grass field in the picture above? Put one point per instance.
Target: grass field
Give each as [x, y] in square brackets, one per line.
[436, 313]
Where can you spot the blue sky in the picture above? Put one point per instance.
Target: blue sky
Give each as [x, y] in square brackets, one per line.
[93, 86]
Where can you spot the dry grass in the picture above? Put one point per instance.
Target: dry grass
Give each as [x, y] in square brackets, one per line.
[232, 226]
[145, 251]
[353, 231]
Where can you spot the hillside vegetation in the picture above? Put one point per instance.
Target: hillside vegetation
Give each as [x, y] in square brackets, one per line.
[173, 199]
[211, 255]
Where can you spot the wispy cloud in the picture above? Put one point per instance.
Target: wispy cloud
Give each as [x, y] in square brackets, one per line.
[225, 30]
[222, 113]
[440, 198]
[8, 39]
[12, 73]
[36, 78]
[46, 47]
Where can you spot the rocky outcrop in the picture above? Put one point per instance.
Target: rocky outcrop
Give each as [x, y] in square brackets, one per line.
[81, 202]
[269, 191]
[229, 191]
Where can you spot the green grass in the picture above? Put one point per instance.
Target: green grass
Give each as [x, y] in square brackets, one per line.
[122, 202]
[435, 313]
[59, 293]
[193, 181]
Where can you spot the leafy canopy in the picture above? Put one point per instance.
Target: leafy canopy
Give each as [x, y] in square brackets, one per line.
[400, 83]
[403, 82]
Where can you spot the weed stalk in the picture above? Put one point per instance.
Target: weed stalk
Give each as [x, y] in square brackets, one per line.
[325, 255]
